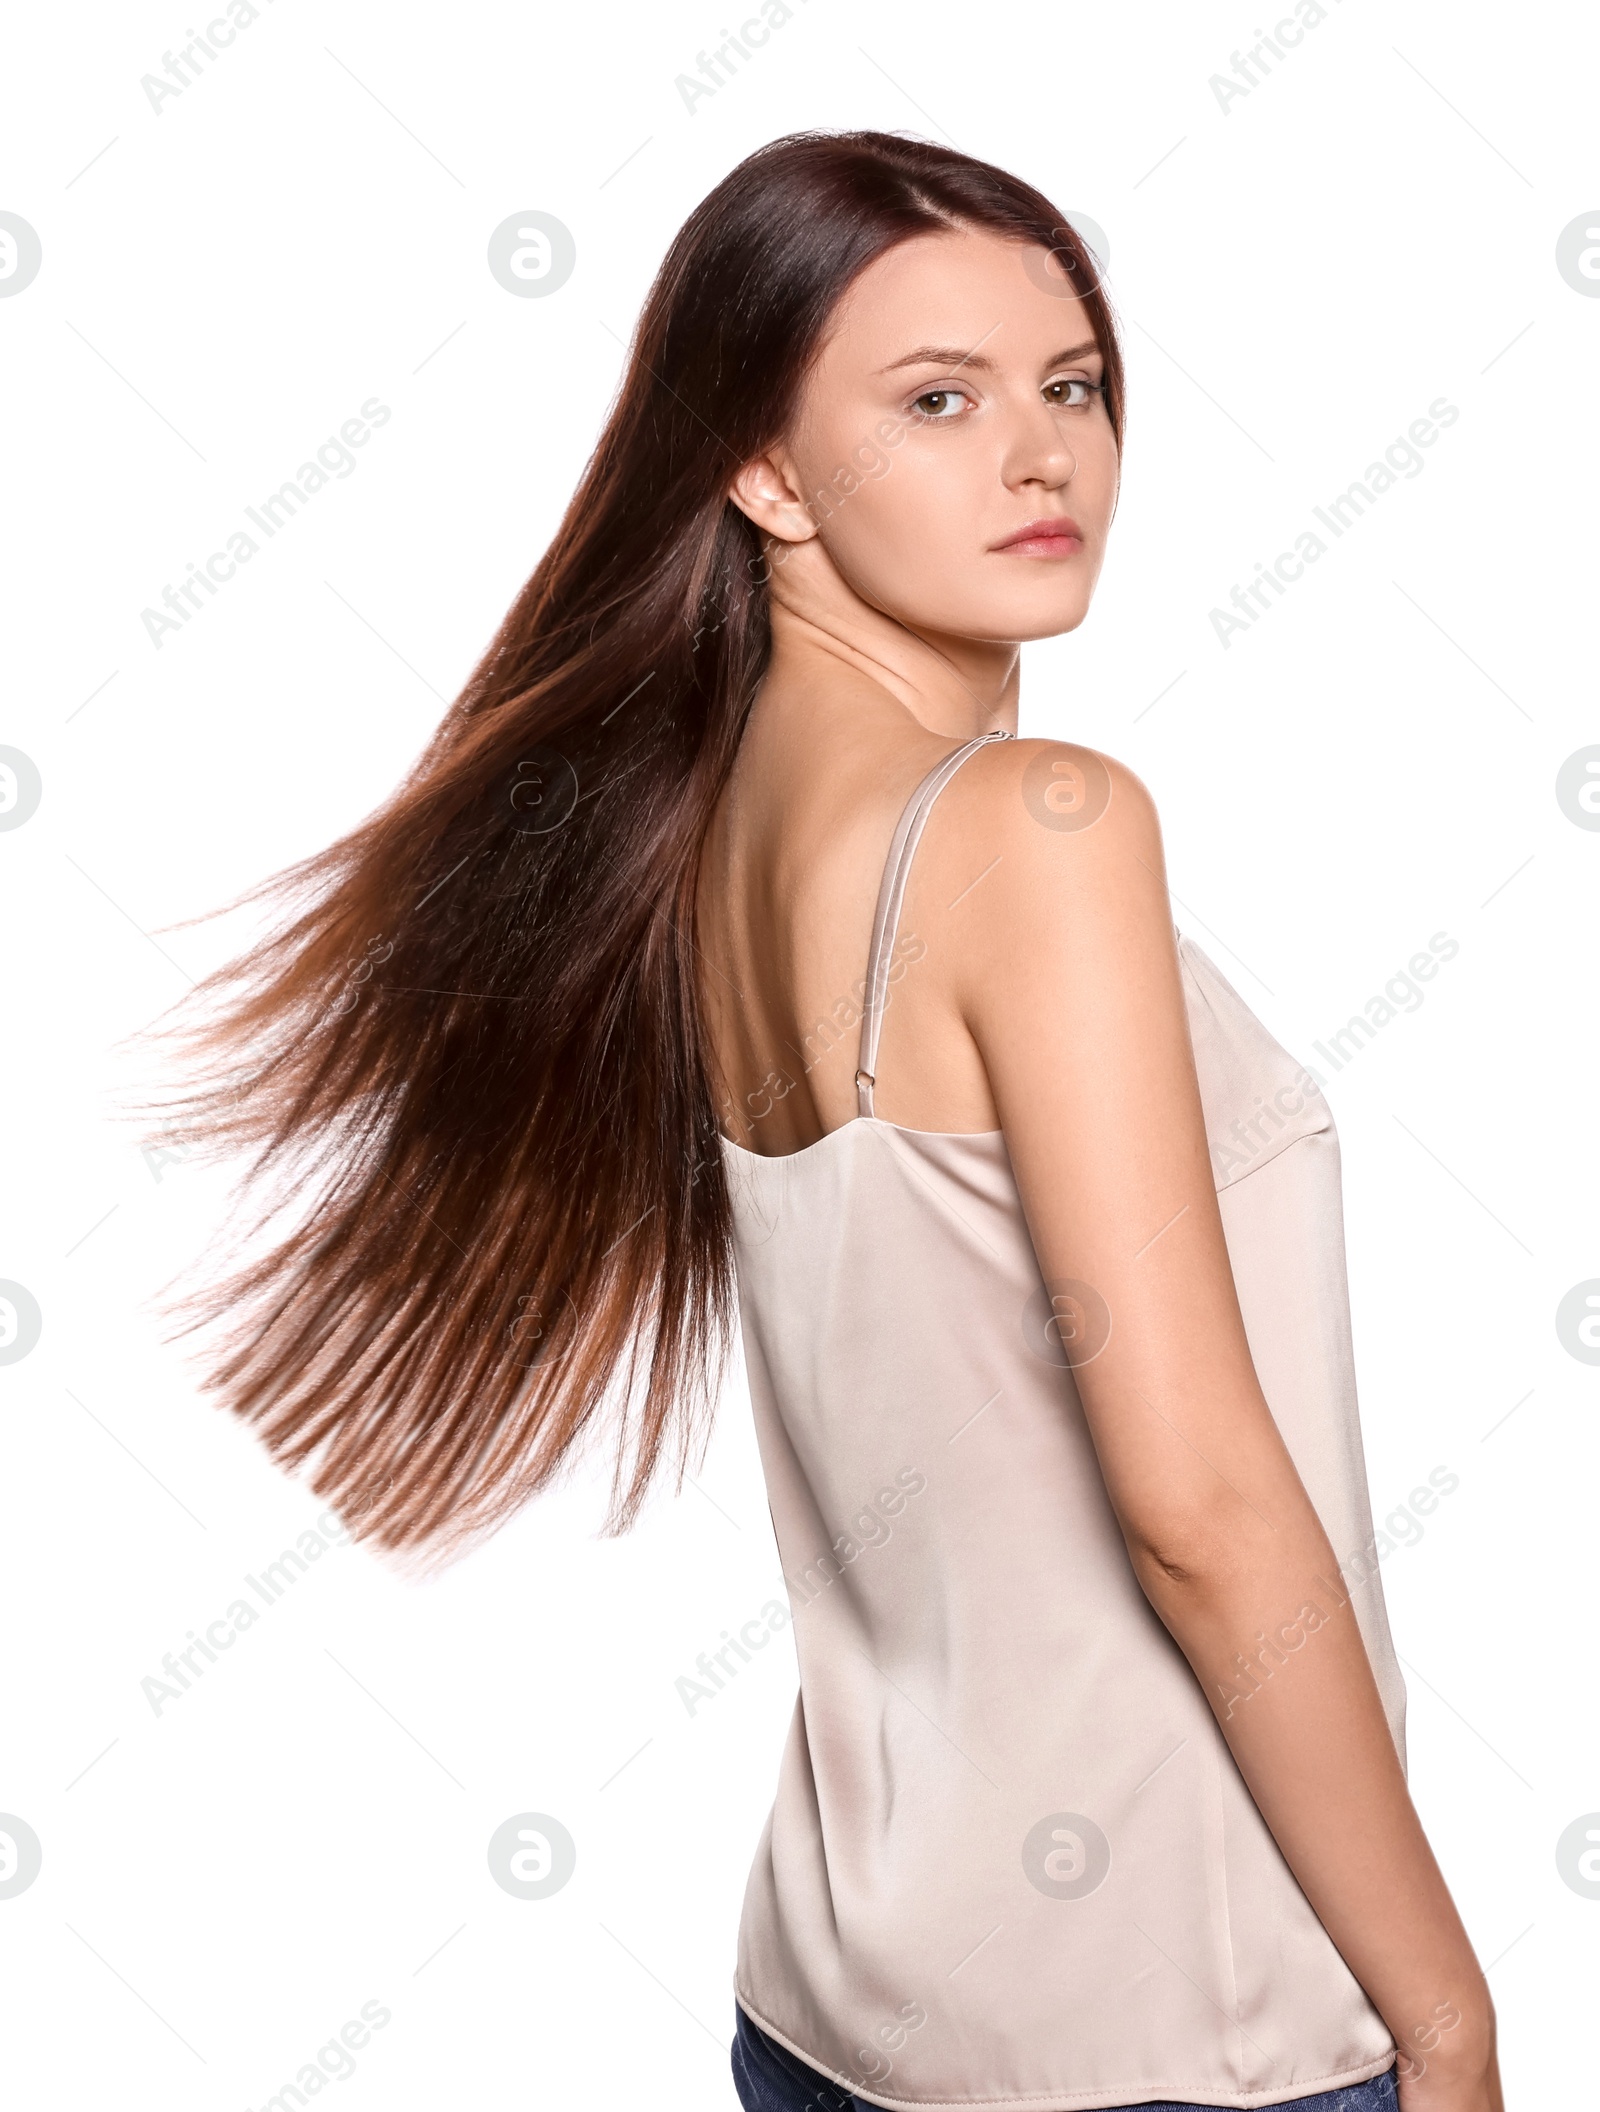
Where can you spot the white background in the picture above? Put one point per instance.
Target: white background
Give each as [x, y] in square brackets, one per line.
[224, 283]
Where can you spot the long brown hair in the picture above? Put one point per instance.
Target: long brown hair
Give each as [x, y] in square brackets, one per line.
[467, 1058]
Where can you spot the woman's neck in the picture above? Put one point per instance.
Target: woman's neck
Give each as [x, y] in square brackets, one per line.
[951, 685]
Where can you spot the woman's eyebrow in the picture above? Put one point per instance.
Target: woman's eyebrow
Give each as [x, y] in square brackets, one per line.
[951, 356]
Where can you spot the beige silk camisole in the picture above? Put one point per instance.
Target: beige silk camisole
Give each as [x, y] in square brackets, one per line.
[1011, 1860]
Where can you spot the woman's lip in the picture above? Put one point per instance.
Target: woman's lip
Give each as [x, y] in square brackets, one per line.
[1048, 538]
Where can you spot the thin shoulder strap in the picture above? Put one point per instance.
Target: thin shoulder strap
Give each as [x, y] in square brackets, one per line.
[891, 895]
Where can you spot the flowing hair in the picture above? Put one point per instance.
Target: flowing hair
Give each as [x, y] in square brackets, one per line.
[467, 1056]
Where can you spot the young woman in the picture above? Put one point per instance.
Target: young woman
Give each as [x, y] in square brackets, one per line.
[1094, 1793]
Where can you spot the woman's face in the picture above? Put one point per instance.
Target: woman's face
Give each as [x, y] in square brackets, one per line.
[955, 403]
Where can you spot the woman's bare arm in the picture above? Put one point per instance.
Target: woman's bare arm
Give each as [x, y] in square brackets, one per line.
[1069, 981]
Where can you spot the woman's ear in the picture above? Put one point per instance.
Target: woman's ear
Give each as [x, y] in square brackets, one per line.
[766, 491]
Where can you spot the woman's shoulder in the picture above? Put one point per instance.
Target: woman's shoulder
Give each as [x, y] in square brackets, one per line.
[1046, 805]
[1047, 885]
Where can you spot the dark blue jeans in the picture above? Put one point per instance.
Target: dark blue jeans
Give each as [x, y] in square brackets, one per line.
[769, 2078]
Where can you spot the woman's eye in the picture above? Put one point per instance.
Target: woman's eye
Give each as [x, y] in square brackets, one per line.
[936, 406]
[1085, 390]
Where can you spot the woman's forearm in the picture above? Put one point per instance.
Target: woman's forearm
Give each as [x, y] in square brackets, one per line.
[1273, 1639]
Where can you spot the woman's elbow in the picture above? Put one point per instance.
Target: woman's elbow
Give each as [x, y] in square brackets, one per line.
[1202, 1552]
